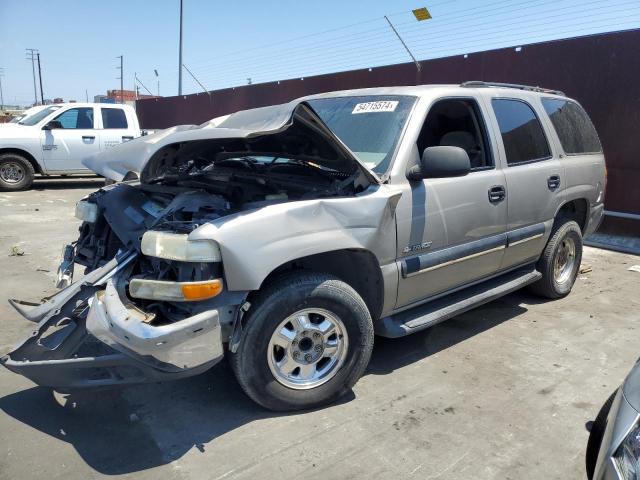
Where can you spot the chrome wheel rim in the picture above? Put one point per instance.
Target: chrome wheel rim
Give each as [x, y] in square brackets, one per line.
[11, 172]
[565, 260]
[307, 348]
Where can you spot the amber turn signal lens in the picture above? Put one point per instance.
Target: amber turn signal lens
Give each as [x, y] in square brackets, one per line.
[202, 290]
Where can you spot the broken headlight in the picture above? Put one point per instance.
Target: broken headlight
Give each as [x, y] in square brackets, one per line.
[627, 457]
[176, 246]
[87, 212]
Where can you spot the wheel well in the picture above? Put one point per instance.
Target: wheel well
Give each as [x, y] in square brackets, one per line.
[576, 210]
[359, 268]
[25, 154]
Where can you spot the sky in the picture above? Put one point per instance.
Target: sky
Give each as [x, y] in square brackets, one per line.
[230, 43]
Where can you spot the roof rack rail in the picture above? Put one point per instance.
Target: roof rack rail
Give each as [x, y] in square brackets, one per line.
[479, 83]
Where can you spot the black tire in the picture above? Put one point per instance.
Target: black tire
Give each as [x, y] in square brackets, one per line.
[548, 286]
[24, 169]
[282, 298]
[595, 436]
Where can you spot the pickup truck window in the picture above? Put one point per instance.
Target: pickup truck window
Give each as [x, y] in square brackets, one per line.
[457, 122]
[369, 125]
[76, 118]
[113, 118]
[522, 134]
[36, 117]
[573, 126]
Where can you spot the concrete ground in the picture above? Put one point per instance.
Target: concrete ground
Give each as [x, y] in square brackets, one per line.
[501, 392]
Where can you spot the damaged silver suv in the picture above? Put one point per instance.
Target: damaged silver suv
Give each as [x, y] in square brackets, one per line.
[287, 236]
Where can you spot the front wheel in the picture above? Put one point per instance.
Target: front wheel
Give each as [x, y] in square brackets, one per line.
[16, 172]
[307, 340]
[560, 261]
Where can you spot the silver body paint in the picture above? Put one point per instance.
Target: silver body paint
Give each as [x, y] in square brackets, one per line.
[428, 238]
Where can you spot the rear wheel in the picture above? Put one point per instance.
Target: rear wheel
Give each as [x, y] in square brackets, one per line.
[16, 172]
[307, 340]
[560, 261]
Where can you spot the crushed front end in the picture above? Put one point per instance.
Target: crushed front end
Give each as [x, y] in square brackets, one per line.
[151, 305]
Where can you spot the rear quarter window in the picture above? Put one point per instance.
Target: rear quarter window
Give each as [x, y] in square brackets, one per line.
[573, 126]
[113, 118]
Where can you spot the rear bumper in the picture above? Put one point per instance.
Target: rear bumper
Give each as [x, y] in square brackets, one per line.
[87, 335]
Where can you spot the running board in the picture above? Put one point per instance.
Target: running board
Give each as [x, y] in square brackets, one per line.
[436, 311]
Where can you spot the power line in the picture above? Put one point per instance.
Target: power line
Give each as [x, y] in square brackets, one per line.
[370, 33]
[322, 51]
[315, 34]
[420, 41]
[473, 42]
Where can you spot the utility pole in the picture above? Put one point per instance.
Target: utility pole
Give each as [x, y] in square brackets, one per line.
[86, 95]
[403, 44]
[180, 55]
[121, 77]
[31, 56]
[1, 95]
[157, 79]
[40, 77]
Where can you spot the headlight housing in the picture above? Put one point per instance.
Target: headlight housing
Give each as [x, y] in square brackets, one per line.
[177, 246]
[627, 457]
[87, 212]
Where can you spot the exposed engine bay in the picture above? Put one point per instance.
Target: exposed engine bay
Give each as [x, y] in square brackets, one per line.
[156, 300]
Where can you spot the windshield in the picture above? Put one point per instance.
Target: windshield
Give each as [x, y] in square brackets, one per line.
[17, 119]
[36, 117]
[369, 125]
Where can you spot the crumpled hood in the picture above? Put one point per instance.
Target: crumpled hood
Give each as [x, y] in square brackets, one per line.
[277, 121]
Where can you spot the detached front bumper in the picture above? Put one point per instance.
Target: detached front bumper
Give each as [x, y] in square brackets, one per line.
[87, 335]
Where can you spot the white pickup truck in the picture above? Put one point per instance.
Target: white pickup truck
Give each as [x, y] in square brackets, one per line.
[55, 140]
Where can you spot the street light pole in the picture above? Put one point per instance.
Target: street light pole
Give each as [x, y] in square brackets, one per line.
[180, 55]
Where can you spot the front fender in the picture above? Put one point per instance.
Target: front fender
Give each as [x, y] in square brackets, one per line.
[255, 243]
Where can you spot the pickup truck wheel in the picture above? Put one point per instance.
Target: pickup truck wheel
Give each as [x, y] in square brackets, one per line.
[560, 261]
[307, 340]
[16, 172]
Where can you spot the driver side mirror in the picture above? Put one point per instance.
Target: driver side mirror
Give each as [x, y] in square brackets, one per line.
[52, 125]
[441, 162]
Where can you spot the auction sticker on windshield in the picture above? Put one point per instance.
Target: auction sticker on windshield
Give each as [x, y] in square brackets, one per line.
[379, 106]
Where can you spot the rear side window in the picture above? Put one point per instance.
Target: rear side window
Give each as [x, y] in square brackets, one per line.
[573, 126]
[76, 118]
[113, 118]
[522, 134]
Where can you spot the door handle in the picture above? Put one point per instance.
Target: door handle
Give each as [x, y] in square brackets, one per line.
[497, 193]
[127, 138]
[553, 182]
[88, 137]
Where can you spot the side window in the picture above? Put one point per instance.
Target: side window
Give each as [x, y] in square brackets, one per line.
[113, 118]
[75, 118]
[457, 123]
[573, 126]
[522, 134]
